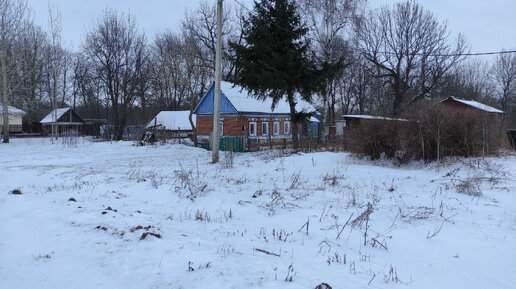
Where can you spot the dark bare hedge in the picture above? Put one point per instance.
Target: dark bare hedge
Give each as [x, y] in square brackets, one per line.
[428, 134]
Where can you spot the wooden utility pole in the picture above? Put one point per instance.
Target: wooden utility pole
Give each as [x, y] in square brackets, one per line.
[216, 96]
[5, 99]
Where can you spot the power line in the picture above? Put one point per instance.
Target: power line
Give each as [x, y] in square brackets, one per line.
[443, 55]
[394, 53]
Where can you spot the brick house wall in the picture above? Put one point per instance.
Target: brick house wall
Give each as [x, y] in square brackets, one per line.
[232, 126]
[239, 125]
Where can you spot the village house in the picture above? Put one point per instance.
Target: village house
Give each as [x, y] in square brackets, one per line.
[171, 124]
[66, 120]
[15, 119]
[241, 115]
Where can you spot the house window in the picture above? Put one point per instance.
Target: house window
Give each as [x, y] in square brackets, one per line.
[275, 128]
[252, 128]
[286, 126]
[221, 127]
[265, 128]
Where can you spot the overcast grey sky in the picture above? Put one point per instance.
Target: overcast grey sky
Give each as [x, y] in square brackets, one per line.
[489, 25]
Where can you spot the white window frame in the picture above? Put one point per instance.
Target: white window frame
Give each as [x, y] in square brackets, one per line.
[275, 128]
[266, 125]
[252, 123]
[221, 127]
[286, 127]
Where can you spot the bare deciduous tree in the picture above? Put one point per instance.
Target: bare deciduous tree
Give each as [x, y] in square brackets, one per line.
[168, 71]
[200, 26]
[411, 49]
[196, 78]
[468, 80]
[115, 49]
[55, 54]
[14, 22]
[504, 73]
[330, 23]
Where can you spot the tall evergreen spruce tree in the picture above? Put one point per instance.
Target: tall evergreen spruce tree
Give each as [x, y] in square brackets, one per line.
[274, 61]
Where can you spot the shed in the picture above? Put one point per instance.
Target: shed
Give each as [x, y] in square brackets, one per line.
[455, 103]
[353, 120]
[172, 124]
[92, 126]
[15, 118]
[335, 130]
[68, 122]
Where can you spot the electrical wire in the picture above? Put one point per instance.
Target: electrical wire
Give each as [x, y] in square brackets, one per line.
[393, 53]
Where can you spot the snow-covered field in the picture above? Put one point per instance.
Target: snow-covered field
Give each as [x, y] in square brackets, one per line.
[165, 217]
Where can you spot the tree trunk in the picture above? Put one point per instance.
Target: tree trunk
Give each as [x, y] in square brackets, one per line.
[398, 98]
[193, 103]
[396, 106]
[54, 91]
[293, 118]
[120, 125]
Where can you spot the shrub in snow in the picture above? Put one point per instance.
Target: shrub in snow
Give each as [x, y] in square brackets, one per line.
[428, 133]
[323, 286]
[190, 184]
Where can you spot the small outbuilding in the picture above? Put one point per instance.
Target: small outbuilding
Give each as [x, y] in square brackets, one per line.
[67, 121]
[92, 126]
[354, 120]
[454, 103]
[171, 124]
[15, 119]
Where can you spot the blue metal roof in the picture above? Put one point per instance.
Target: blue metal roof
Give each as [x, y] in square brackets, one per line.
[206, 104]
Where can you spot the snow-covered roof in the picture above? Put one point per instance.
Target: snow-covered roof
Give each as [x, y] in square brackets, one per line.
[172, 120]
[51, 116]
[313, 119]
[242, 100]
[365, 116]
[12, 110]
[475, 104]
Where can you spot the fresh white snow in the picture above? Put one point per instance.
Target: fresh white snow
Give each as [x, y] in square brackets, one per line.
[173, 120]
[248, 205]
[366, 116]
[51, 117]
[477, 104]
[242, 101]
[12, 110]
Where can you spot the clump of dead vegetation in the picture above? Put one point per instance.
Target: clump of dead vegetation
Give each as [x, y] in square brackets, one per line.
[470, 187]
[15, 192]
[148, 231]
[190, 184]
[201, 215]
